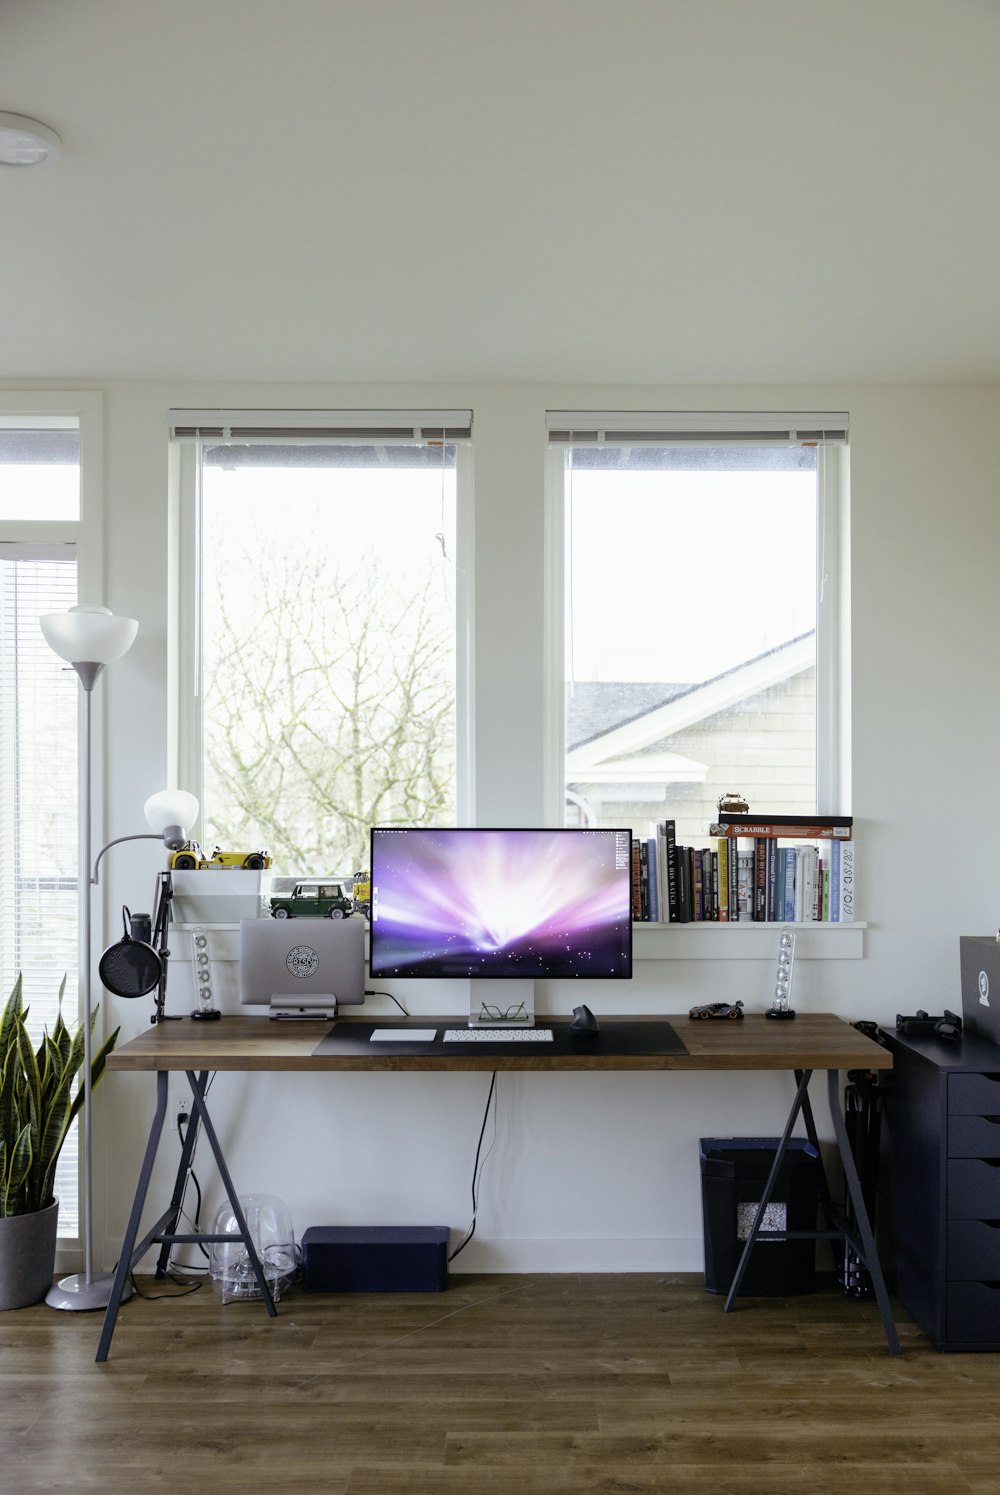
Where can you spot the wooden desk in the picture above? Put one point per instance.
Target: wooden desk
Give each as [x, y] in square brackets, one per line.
[812, 1041]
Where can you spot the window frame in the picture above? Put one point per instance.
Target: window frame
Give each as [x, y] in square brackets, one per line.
[185, 718]
[833, 722]
[85, 535]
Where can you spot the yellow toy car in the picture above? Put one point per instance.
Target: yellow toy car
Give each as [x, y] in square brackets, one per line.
[191, 858]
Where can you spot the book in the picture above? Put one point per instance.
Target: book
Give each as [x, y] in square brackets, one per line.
[731, 817]
[683, 859]
[760, 879]
[722, 857]
[808, 866]
[636, 883]
[789, 829]
[666, 830]
[835, 855]
[744, 883]
[771, 864]
[846, 902]
[652, 881]
[788, 902]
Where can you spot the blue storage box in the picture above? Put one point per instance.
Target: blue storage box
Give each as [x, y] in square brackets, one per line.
[375, 1258]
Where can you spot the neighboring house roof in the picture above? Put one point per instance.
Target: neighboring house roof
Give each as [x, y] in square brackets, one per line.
[594, 736]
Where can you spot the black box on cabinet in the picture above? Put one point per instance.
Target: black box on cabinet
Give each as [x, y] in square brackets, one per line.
[375, 1258]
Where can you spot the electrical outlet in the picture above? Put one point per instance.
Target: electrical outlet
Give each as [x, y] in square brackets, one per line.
[183, 1108]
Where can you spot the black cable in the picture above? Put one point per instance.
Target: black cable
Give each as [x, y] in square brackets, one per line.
[475, 1171]
[391, 999]
[155, 1297]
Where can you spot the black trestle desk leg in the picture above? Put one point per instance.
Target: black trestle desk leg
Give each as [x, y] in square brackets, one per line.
[206, 1121]
[132, 1229]
[868, 1253]
[801, 1099]
[180, 1182]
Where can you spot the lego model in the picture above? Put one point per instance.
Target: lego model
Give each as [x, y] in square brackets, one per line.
[313, 900]
[191, 858]
[717, 1009]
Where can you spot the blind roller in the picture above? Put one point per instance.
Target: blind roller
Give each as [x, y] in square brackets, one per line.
[695, 428]
[338, 427]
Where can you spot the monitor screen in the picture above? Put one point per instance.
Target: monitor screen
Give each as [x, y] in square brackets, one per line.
[501, 903]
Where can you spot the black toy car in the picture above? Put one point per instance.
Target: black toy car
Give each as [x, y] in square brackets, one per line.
[717, 1009]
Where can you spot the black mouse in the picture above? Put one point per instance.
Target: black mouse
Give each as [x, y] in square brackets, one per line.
[584, 1021]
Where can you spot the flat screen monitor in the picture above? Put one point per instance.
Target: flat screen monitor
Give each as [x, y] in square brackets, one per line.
[501, 905]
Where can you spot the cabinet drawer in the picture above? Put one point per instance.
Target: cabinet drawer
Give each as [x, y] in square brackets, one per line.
[974, 1095]
[974, 1136]
[973, 1250]
[973, 1313]
[973, 1189]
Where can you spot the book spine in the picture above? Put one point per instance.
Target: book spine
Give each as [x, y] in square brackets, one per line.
[698, 886]
[636, 882]
[683, 884]
[846, 884]
[744, 876]
[771, 864]
[760, 879]
[835, 856]
[734, 881]
[643, 881]
[731, 817]
[810, 864]
[788, 903]
[652, 880]
[670, 837]
[824, 912]
[722, 854]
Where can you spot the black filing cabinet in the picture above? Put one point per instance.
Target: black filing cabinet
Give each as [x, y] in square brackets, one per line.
[940, 1201]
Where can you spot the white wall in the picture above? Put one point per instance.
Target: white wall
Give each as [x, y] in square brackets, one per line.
[596, 1172]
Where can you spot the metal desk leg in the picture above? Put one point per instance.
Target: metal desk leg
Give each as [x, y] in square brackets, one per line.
[801, 1099]
[132, 1229]
[180, 1182]
[869, 1252]
[206, 1121]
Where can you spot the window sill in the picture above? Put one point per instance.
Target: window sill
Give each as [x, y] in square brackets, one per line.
[746, 941]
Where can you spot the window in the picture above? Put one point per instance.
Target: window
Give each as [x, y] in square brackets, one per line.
[701, 593]
[323, 677]
[39, 490]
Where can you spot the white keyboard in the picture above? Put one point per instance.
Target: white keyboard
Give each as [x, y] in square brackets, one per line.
[497, 1035]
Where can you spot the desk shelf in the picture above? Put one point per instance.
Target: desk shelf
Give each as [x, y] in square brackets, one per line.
[747, 940]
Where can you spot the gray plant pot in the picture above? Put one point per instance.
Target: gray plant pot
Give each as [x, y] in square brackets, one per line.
[27, 1256]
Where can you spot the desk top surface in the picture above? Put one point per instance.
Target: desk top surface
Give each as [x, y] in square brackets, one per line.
[814, 1040]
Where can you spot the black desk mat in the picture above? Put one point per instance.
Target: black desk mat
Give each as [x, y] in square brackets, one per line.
[653, 1037]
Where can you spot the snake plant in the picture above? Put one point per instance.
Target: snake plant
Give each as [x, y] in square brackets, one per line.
[37, 1102]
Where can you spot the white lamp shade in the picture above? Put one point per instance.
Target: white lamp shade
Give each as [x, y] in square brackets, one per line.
[170, 808]
[88, 634]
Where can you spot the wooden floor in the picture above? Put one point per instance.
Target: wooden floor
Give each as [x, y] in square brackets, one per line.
[538, 1384]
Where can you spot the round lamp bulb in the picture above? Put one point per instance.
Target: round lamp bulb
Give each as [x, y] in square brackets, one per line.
[171, 809]
[88, 634]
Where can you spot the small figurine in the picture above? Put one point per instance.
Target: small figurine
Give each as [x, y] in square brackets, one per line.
[717, 1009]
[733, 804]
[191, 858]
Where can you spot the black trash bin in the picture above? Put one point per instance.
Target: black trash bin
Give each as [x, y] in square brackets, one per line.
[734, 1171]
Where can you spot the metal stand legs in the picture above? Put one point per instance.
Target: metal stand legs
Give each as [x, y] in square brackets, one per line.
[164, 1231]
[859, 1232]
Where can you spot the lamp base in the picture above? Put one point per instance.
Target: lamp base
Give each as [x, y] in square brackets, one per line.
[77, 1293]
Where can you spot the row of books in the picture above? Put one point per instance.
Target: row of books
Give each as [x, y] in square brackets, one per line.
[746, 874]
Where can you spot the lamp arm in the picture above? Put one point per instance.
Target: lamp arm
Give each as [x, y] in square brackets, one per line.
[144, 836]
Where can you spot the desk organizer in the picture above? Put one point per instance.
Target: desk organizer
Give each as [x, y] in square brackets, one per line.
[375, 1258]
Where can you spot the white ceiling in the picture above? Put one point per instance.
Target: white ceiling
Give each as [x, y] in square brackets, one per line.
[640, 191]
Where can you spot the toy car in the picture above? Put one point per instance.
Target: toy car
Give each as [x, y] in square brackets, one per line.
[717, 1009]
[313, 900]
[191, 858]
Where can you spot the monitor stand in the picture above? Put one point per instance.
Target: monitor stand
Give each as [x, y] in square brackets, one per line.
[501, 1004]
[287, 1005]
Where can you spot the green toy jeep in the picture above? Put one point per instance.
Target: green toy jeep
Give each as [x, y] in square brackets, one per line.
[313, 900]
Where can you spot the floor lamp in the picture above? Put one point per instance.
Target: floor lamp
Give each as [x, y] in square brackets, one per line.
[88, 637]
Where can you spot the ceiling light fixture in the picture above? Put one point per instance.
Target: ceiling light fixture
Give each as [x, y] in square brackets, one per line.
[26, 142]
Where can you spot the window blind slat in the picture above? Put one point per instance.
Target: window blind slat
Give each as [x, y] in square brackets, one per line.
[367, 427]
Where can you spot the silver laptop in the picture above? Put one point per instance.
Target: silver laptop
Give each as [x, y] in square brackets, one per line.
[303, 968]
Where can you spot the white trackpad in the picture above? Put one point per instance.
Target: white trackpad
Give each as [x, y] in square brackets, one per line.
[403, 1035]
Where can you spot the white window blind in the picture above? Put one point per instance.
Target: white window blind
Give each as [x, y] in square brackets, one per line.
[38, 804]
[696, 428]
